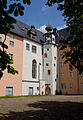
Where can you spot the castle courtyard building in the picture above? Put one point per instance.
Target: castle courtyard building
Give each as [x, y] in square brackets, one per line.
[38, 59]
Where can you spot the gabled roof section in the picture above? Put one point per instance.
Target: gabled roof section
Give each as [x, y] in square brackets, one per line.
[23, 30]
[62, 33]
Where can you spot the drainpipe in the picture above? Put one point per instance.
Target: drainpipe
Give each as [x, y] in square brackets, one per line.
[39, 78]
[78, 81]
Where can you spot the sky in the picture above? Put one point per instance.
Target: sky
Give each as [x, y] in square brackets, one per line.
[40, 15]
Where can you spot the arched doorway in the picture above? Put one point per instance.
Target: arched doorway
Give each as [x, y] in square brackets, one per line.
[47, 90]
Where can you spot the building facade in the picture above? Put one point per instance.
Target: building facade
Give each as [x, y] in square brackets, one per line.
[11, 85]
[70, 82]
[41, 69]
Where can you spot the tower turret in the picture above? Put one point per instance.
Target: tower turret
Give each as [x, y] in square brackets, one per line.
[49, 35]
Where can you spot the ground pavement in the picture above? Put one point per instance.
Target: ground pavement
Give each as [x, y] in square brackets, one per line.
[42, 108]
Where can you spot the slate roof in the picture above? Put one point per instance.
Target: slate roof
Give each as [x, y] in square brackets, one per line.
[61, 33]
[22, 30]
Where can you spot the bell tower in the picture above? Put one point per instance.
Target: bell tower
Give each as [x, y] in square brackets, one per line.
[50, 61]
[49, 35]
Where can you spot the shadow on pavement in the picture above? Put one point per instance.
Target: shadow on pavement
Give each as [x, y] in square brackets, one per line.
[49, 110]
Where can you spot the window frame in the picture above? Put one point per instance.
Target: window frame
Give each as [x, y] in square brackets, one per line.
[62, 75]
[34, 69]
[49, 72]
[34, 49]
[10, 43]
[6, 90]
[11, 56]
[47, 64]
[12, 36]
[61, 64]
[0, 39]
[45, 55]
[28, 46]
[71, 74]
[71, 86]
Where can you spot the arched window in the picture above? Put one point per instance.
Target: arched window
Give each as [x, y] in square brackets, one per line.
[34, 69]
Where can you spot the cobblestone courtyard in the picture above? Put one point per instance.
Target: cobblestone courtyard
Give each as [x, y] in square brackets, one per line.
[42, 108]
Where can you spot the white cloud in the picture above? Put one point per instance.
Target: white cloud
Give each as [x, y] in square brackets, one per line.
[44, 8]
[42, 28]
[61, 27]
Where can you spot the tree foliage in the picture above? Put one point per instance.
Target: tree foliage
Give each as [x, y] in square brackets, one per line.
[8, 7]
[73, 15]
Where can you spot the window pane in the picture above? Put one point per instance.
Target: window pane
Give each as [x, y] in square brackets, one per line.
[61, 64]
[48, 72]
[34, 49]
[12, 36]
[81, 85]
[11, 43]
[34, 69]
[45, 55]
[47, 64]
[30, 90]
[62, 75]
[27, 46]
[0, 39]
[71, 74]
[47, 49]
[71, 86]
[61, 54]
[11, 56]
[63, 86]
[9, 91]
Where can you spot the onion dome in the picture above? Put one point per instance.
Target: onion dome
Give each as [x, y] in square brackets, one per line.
[49, 28]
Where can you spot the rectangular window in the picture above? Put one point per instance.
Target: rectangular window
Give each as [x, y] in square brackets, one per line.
[71, 86]
[47, 49]
[63, 86]
[55, 58]
[27, 46]
[37, 88]
[81, 85]
[0, 39]
[62, 75]
[47, 64]
[12, 36]
[62, 64]
[81, 74]
[11, 43]
[61, 54]
[54, 65]
[30, 90]
[11, 56]
[34, 49]
[9, 91]
[48, 72]
[45, 55]
[71, 74]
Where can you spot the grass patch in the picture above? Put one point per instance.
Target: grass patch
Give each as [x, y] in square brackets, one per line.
[6, 97]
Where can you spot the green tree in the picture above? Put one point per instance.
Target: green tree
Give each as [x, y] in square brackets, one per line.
[8, 7]
[73, 15]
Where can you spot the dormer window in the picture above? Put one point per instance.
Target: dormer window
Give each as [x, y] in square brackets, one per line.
[32, 32]
[12, 36]
[53, 39]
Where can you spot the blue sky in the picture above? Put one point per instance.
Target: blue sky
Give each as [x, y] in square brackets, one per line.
[39, 15]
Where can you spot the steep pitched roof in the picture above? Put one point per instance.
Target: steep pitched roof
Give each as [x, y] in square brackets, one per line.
[22, 30]
[62, 33]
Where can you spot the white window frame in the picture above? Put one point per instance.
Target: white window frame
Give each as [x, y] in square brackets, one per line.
[11, 43]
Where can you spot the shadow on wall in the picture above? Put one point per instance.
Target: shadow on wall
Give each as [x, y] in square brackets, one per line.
[50, 110]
